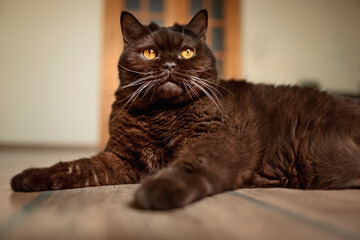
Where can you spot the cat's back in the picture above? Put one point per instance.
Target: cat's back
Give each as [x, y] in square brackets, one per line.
[291, 110]
[288, 100]
[294, 130]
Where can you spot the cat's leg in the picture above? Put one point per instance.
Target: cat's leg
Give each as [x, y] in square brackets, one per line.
[209, 165]
[102, 169]
[337, 166]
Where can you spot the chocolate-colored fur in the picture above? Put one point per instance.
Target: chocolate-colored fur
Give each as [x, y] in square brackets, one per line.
[185, 134]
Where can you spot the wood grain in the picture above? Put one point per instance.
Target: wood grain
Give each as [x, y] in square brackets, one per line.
[232, 39]
[106, 212]
[112, 46]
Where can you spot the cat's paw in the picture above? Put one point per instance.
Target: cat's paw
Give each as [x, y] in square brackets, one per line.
[30, 180]
[163, 193]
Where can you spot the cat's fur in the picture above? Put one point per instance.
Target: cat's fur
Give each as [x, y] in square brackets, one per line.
[185, 144]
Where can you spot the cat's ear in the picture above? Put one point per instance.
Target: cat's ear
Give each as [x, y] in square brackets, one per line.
[198, 24]
[131, 27]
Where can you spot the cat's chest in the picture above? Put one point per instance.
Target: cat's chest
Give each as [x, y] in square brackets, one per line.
[152, 140]
[163, 127]
[156, 138]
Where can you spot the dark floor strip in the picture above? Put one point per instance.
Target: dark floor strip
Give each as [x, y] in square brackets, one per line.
[341, 233]
[21, 216]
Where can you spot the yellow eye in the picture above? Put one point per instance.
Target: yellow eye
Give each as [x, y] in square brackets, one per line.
[187, 53]
[149, 53]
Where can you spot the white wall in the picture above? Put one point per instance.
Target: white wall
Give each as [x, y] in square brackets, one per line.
[49, 71]
[287, 41]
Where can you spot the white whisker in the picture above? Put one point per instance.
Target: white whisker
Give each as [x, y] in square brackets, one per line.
[130, 70]
[187, 86]
[194, 91]
[207, 94]
[216, 102]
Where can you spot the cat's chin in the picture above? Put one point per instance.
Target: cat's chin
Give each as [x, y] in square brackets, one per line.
[169, 90]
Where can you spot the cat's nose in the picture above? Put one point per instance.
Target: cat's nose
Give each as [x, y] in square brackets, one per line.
[169, 65]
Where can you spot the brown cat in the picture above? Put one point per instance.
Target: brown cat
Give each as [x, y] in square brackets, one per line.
[186, 134]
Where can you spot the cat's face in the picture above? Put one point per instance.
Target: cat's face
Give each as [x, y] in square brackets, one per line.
[165, 65]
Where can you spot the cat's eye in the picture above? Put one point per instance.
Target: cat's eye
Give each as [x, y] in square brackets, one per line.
[187, 53]
[149, 53]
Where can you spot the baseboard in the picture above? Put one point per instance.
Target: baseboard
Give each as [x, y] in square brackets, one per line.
[57, 147]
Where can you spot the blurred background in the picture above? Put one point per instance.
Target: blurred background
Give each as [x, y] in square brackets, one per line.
[58, 58]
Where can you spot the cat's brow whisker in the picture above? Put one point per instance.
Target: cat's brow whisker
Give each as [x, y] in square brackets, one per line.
[150, 32]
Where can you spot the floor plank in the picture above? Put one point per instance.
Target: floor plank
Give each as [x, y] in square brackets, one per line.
[106, 212]
[13, 161]
[338, 208]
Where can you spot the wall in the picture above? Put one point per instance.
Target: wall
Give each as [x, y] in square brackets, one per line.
[291, 41]
[49, 71]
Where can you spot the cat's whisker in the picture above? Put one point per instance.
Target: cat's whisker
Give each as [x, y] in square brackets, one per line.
[151, 33]
[184, 81]
[207, 94]
[187, 78]
[132, 102]
[131, 70]
[207, 85]
[147, 86]
[212, 90]
[137, 92]
[137, 82]
[187, 88]
[204, 82]
[141, 81]
[152, 84]
[217, 85]
[213, 94]
[133, 97]
[205, 88]
[194, 91]
[212, 100]
[152, 95]
[199, 70]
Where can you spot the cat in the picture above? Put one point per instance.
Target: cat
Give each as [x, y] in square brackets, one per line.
[185, 134]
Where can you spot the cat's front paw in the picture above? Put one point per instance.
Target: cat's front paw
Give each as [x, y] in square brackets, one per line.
[163, 193]
[32, 179]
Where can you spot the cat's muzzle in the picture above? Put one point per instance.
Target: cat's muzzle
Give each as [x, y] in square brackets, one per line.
[169, 90]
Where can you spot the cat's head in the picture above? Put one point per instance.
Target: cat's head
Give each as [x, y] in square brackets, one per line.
[165, 65]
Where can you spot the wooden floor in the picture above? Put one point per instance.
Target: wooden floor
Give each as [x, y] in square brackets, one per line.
[106, 212]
